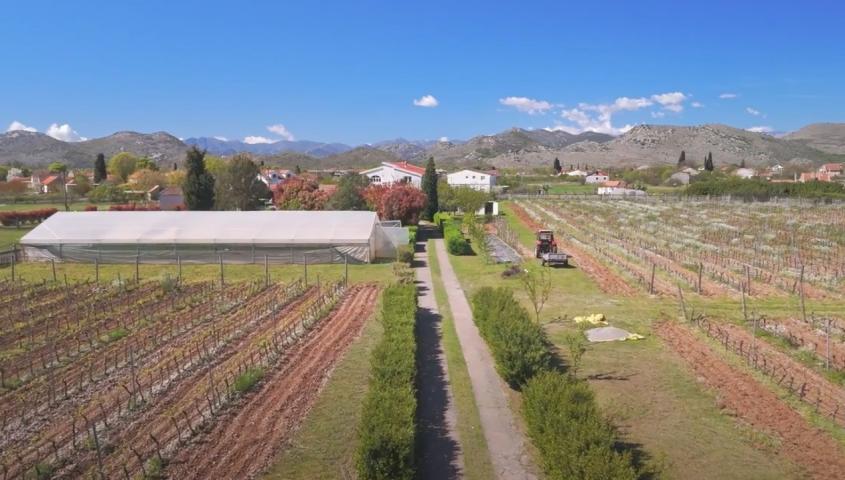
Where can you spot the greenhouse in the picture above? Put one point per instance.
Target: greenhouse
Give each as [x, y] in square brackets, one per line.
[210, 237]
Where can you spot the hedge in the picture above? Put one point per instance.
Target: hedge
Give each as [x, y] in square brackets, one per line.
[560, 411]
[566, 427]
[14, 218]
[388, 424]
[518, 344]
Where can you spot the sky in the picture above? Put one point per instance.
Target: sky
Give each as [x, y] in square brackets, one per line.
[364, 71]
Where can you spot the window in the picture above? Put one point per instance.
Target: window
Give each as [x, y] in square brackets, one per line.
[406, 179]
[375, 179]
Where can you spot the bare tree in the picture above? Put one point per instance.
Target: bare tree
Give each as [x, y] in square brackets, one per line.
[538, 287]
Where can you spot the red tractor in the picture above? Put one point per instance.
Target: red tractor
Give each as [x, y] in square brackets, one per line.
[546, 249]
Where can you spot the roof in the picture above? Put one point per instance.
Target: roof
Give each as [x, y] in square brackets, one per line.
[613, 183]
[171, 191]
[599, 173]
[170, 228]
[49, 180]
[479, 172]
[403, 166]
[834, 167]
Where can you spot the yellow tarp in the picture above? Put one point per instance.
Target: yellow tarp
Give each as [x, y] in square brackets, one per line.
[594, 319]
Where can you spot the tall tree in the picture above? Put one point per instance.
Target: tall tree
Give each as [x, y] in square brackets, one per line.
[429, 187]
[198, 187]
[237, 187]
[682, 160]
[742, 163]
[558, 168]
[708, 162]
[100, 173]
[349, 193]
[297, 170]
[122, 165]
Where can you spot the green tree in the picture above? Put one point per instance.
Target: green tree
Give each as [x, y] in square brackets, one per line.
[81, 184]
[122, 165]
[708, 162]
[682, 160]
[237, 187]
[349, 193]
[100, 173]
[146, 163]
[215, 165]
[558, 168]
[297, 170]
[429, 187]
[742, 163]
[57, 167]
[4, 174]
[198, 188]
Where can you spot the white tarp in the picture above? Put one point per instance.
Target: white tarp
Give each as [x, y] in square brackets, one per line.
[242, 235]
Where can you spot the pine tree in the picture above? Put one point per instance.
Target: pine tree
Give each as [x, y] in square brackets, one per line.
[429, 187]
[682, 160]
[100, 168]
[198, 188]
[558, 168]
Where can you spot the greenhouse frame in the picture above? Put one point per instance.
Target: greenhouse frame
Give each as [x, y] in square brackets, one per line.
[211, 237]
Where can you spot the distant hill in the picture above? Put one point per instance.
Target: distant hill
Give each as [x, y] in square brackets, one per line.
[38, 149]
[217, 146]
[827, 137]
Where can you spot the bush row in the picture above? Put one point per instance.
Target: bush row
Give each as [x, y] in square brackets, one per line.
[518, 344]
[388, 423]
[26, 216]
[133, 207]
[456, 244]
[560, 411]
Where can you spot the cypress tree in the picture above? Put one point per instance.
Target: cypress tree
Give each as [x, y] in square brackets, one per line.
[742, 163]
[682, 160]
[198, 188]
[708, 162]
[100, 168]
[558, 168]
[429, 187]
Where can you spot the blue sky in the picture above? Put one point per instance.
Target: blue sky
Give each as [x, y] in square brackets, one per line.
[350, 71]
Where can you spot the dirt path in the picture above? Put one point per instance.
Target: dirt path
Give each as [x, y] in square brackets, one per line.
[505, 440]
[438, 444]
[740, 393]
[243, 443]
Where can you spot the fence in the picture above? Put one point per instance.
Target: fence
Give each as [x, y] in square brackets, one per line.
[671, 197]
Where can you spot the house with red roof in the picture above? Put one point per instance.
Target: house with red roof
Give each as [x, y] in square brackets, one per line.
[832, 170]
[395, 172]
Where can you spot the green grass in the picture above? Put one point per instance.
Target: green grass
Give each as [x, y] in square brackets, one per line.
[248, 379]
[40, 271]
[325, 446]
[477, 464]
[571, 188]
[11, 235]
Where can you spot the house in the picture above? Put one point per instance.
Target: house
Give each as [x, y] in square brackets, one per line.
[51, 184]
[810, 176]
[474, 179]
[745, 173]
[832, 169]
[171, 199]
[576, 173]
[597, 177]
[623, 191]
[615, 184]
[776, 169]
[14, 174]
[274, 177]
[393, 172]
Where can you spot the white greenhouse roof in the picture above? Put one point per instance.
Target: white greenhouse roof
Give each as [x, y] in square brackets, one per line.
[180, 227]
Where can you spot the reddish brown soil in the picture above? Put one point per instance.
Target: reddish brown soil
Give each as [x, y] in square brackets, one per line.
[813, 339]
[739, 392]
[607, 280]
[244, 443]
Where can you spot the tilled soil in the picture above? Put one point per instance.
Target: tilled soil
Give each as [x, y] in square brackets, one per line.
[811, 448]
[245, 441]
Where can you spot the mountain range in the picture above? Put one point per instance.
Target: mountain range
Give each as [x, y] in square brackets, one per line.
[642, 145]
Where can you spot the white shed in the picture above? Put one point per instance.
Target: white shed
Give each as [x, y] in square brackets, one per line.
[484, 181]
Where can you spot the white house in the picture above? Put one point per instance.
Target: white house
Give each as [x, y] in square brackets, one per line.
[393, 172]
[832, 169]
[274, 177]
[745, 173]
[596, 177]
[576, 173]
[474, 179]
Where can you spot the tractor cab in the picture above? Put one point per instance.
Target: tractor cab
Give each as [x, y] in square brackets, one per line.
[545, 243]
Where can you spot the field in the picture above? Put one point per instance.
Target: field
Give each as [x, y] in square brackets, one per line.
[727, 282]
[159, 378]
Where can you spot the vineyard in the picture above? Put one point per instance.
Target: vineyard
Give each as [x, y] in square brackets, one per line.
[711, 248]
[130, 379]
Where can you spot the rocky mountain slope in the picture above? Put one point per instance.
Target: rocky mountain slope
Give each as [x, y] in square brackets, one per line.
[38, 149]
[827, 137]
[217, 146]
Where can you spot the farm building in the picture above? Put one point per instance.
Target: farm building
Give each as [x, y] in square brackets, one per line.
[208, 237]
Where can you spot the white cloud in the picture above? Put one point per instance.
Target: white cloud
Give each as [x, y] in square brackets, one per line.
[281, 131]
[16, 125]
[443, 139]
[697, 105]
[728, 96]
[753, 111]
[426, 101]
[222, 139]
[526, 105]
[599, 117]
[761, 129]
[254, 139]
[64, 133]
[674, 101]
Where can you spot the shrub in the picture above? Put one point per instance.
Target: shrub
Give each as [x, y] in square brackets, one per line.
[388, 424]
[456, 244]
[412, 234]
[405, 254]
[518, 345]
[247, 380]
[566, 427]
[15, 218]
